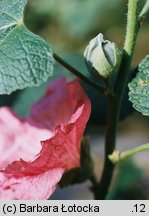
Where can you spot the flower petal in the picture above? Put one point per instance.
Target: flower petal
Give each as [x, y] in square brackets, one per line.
[18, 138]
[54, 108]
[36, 187]
[58, 120]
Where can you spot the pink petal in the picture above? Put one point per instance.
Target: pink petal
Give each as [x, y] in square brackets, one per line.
[54, 108]
[35, 187]
[18, 138]
[59, 119]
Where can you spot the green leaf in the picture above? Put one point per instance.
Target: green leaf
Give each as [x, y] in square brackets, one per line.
[139, 88]
[25, 58]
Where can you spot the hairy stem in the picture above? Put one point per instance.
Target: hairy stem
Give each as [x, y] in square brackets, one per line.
[115, 101]
[77, 73]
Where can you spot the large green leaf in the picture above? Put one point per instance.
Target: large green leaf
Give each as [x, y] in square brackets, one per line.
[25, 58]
[139, 88]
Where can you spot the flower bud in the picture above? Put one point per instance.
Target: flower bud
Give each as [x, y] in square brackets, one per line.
[102, 56]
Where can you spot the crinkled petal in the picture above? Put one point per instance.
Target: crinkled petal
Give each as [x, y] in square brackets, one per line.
[59, 118]
[18, 138]
[36, 187]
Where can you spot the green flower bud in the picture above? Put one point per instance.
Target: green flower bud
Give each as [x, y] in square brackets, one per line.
[102, 56]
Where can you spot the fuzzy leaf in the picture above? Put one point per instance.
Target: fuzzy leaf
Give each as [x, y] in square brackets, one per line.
[25, 58]
[139, 88]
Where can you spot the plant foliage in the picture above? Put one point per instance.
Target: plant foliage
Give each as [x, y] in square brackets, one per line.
[25, 58]
[139, 88]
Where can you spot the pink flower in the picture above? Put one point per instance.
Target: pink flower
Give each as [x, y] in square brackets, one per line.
[37, 150]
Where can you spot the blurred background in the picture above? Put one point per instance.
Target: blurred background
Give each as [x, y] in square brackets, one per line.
[68, 25]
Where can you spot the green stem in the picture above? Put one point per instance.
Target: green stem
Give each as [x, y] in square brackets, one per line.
[77, 73]
[117, 156]
[114, 105]
[144, 11]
